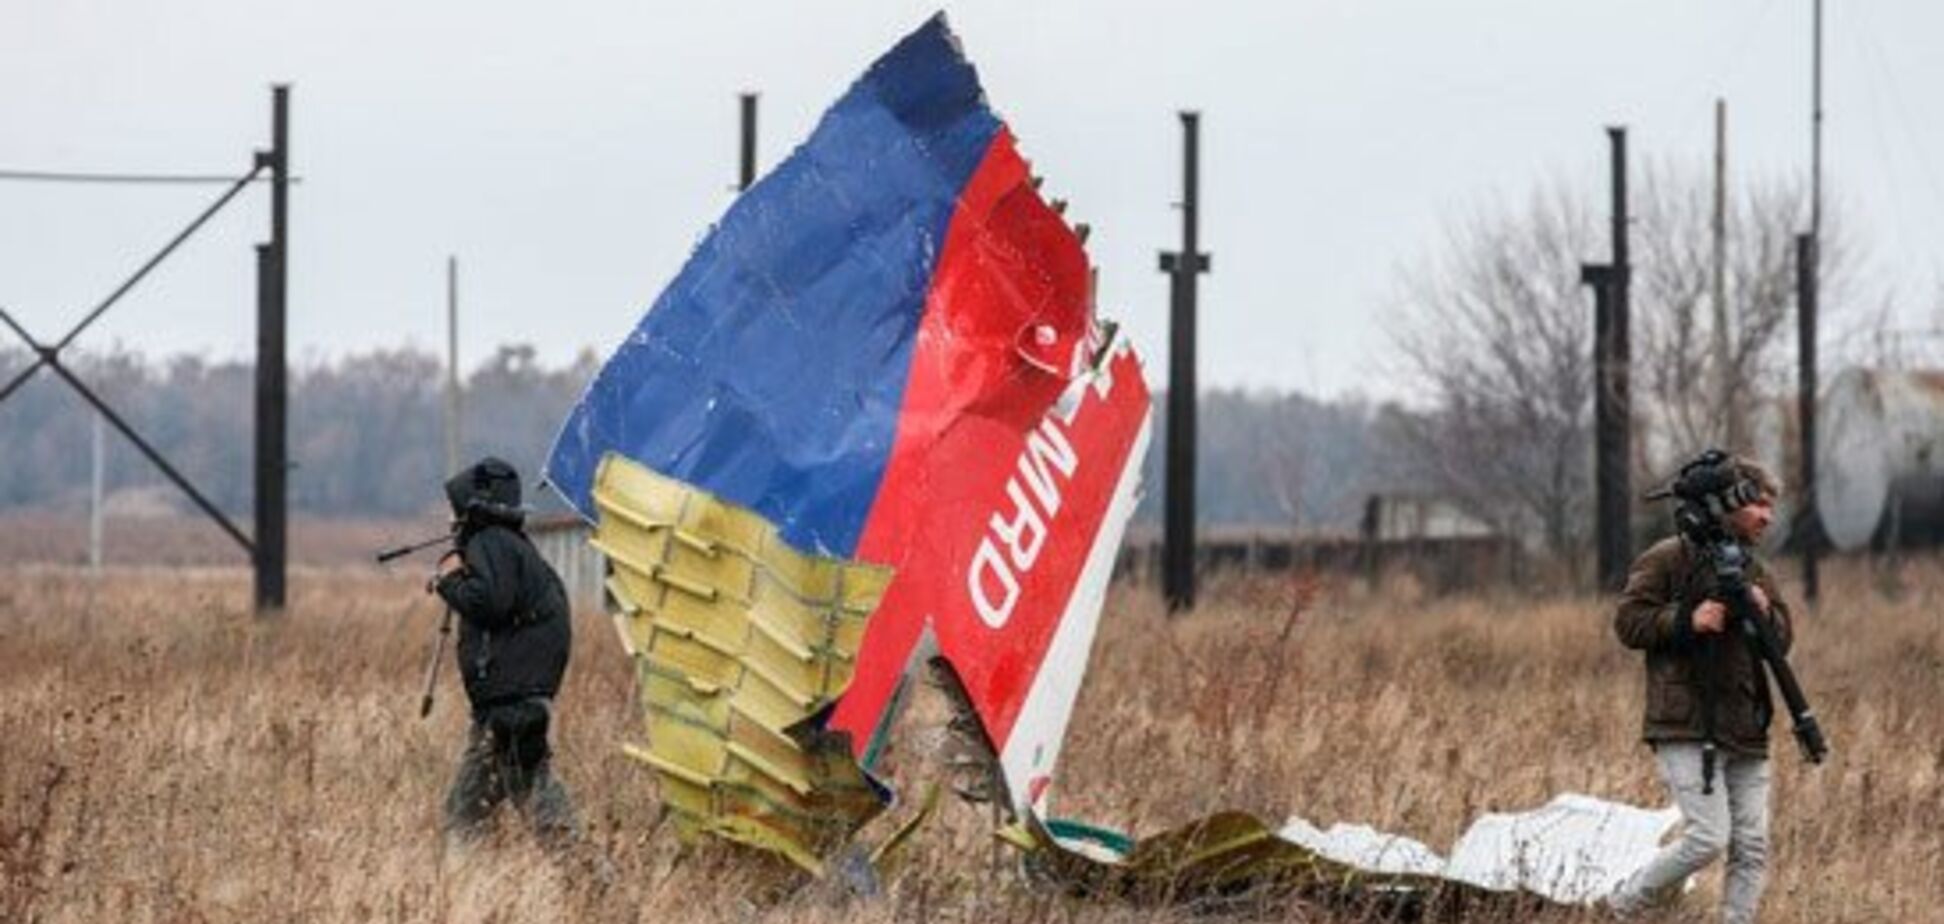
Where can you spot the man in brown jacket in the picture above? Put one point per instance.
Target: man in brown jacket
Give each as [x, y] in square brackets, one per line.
[1705, 685]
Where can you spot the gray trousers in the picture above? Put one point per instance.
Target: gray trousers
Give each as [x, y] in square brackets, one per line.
[509, 762]
[1733, 820]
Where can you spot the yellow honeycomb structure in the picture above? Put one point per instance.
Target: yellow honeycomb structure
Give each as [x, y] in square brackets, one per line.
[739, 643]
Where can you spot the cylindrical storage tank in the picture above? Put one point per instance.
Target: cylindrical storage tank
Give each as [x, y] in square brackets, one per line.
[1880, 457]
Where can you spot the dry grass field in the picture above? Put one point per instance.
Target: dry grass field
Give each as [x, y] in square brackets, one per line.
[43, 537]
[165, 757]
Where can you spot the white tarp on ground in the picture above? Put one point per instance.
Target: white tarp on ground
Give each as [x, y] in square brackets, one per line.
[1573, 850]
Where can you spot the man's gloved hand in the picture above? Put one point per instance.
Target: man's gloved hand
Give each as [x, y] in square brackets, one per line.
[1712, 615]
[450, 563]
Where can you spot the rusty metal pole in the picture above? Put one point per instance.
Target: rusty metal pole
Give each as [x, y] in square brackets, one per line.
[1808, 253]
[748, 174]
[1178, 569]
[1612, 404]
[273, 261]
[1809, 524]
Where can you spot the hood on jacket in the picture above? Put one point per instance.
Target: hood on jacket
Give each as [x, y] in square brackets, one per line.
[488, 491]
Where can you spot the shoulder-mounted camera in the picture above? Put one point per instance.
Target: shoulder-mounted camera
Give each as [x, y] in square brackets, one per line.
[1707, 488]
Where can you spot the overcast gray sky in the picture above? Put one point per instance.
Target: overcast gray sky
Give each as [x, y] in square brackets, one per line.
[572, 153]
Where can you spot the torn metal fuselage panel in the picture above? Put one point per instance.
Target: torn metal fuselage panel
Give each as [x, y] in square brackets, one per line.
[886, 354]
[873, 424]
[1572, 850]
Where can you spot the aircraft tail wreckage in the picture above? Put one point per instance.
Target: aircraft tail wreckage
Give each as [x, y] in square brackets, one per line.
[874, 424]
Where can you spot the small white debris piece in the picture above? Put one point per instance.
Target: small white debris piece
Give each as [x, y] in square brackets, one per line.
[1365, 848]
[1573, 850]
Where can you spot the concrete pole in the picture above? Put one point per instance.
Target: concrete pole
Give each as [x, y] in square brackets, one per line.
[272, 449]
[1178, 569]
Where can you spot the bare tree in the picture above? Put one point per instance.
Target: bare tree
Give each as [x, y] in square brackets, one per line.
[1691, 394]
[1495, 332]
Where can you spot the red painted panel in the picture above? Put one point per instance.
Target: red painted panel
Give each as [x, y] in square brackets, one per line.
[964, 495]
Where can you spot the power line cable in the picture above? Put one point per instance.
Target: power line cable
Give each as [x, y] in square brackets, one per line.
[71, 176]
[1886, 156]
[1697, 116]
[1900, 112]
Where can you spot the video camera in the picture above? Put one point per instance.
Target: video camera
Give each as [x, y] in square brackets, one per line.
[1706, 490]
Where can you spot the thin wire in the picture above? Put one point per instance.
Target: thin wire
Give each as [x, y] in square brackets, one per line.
[1878, 115]
[1720, 69]
[61, 176]
[1900, 112]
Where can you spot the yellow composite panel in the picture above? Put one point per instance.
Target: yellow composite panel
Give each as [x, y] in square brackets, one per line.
[738, 641]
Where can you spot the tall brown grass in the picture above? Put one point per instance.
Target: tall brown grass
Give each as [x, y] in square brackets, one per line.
[166, 757]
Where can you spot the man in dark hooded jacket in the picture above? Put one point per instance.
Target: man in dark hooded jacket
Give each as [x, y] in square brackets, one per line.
[514, 636]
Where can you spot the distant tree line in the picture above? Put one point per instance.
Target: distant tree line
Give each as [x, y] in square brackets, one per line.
[366, 431]
[1492, 335]
[366, 436]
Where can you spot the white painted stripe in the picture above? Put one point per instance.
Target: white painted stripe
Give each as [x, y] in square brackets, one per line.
[1034, 746]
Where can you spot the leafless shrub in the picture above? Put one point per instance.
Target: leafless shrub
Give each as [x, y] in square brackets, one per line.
[1495, 332]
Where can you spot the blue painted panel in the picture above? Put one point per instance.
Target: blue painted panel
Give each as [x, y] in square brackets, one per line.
[772, 370]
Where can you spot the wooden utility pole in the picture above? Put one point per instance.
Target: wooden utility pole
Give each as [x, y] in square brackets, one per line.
[452, 406]
[1183, 267]
[1725, 380]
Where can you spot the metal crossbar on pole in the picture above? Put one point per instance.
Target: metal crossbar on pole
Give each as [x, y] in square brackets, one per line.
[267, 550]
[194, 225]
[51, 359]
